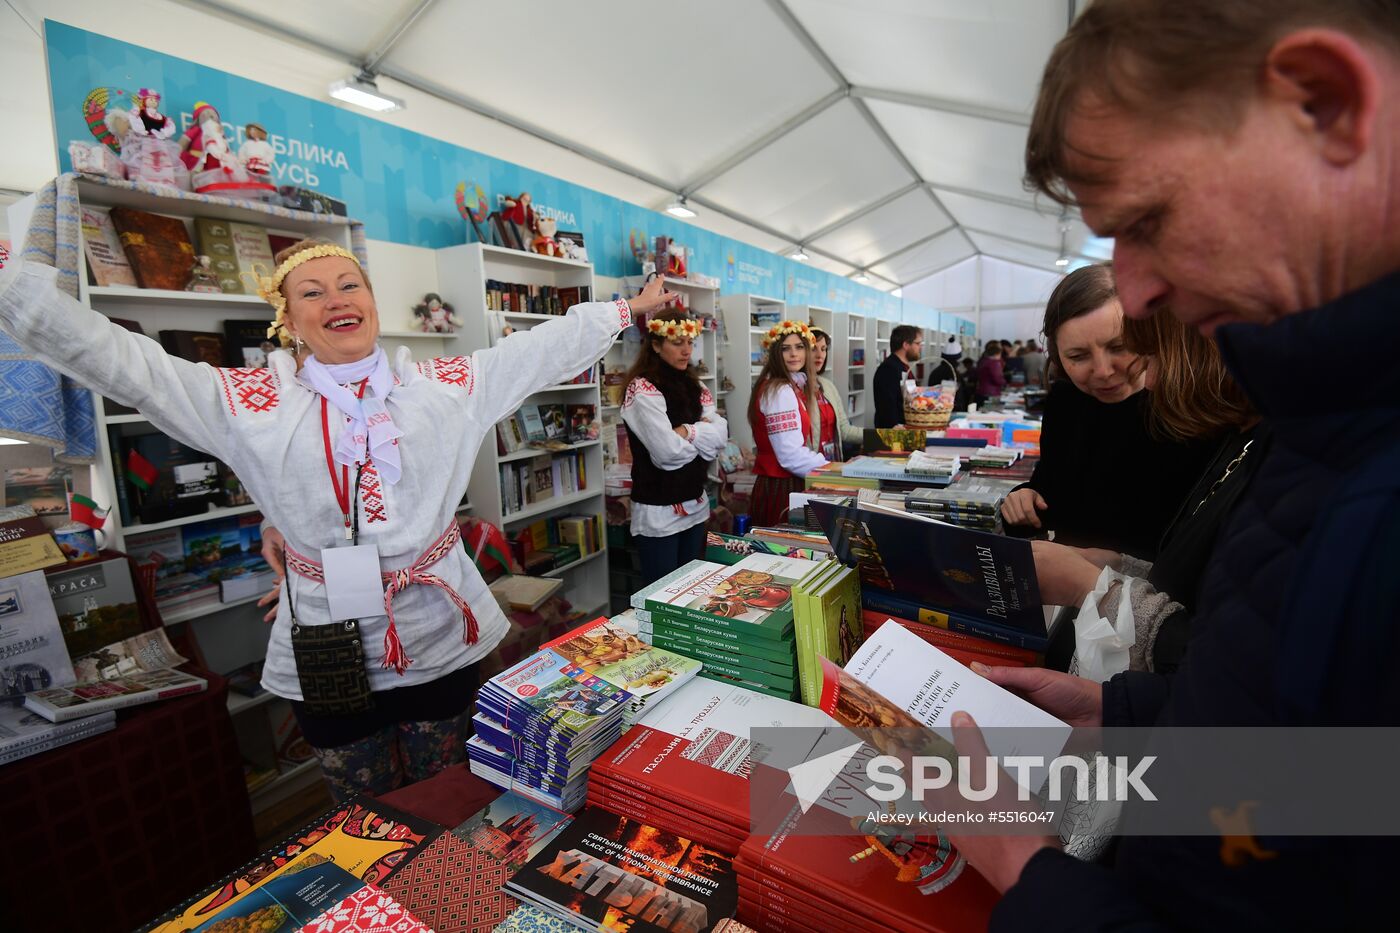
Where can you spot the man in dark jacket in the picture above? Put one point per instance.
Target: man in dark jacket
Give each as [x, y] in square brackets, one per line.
[906, 345]
[1245, 157]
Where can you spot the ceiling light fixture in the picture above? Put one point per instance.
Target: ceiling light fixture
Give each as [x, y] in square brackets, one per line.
[1064, 239]
[361, 91]
[860, 277]
[897, 292]
[799, 255]
[678, 207]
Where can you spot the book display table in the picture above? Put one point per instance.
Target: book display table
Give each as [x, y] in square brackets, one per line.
[102, 832]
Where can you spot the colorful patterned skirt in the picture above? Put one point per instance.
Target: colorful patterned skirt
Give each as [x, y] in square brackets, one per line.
[769, 505]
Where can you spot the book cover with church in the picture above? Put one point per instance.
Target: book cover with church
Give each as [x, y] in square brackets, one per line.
[513, 828]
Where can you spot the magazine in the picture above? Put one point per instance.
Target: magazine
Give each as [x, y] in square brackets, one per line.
[143, 653]
[64, 703]
[23, 733]
[32, 653]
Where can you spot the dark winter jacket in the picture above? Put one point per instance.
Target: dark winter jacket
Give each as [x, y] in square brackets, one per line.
[1298, 623]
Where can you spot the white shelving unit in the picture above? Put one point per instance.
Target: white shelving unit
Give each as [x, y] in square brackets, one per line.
[838, 358]
[702, 301]
[230, 634]
[743, 356]
[859, 374]
[462, 275]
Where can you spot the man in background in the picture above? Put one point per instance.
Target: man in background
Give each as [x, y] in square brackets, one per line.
[906, 346]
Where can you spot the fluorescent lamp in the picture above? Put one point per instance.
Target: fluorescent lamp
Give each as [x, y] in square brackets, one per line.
[678, 208]
[799, 255]
[361, 91]
[1062, 261]
[897, 293]
[860, 277]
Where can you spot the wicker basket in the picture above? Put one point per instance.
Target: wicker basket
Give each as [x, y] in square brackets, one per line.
[929, 419]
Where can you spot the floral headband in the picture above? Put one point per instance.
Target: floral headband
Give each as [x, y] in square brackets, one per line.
[778, 331]
[672, 330]
[269, 287]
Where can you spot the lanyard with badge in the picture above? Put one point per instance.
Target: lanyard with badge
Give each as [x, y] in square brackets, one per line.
[330, 658]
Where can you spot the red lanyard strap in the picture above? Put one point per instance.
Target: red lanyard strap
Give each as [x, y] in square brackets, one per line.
[341, 487]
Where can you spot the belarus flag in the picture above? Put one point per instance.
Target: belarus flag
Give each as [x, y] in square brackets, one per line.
[84, 510]
[140, 472]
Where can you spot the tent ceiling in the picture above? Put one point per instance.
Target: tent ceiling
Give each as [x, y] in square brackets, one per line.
[884, 135]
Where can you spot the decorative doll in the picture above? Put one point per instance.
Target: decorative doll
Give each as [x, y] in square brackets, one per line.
[518, 212]
[256, 153]
[544, 242]
[435, 317]
[146, 118]
[202, 277]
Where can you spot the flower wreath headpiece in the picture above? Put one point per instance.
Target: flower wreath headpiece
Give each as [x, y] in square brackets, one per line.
[269, 287]
[671, 330]
[778, 331]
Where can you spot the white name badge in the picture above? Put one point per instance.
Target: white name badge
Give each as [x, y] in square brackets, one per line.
[353, 586]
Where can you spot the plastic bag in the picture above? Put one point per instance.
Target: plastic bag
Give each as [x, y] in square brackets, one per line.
[1102, 645]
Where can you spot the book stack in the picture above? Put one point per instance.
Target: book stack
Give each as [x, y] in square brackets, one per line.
[611, 649]
[972, 502]
[963, 647]
[608, 871]
[548, 544]
[993, 456]
[832, 479]
[62, 704]
[736, 619]
[932, 471]
[828, 622]
[934, 465]
[24, 733]
[815, 875]
[540, 724]
[528, 482]
[684, 768]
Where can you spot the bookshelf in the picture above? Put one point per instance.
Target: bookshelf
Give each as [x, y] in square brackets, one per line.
[861, 372]
[746, 318]
[703, 303]
[838, 356]
[463, 272]
[230, 634]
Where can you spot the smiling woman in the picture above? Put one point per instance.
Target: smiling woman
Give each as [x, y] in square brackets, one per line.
[360, 462]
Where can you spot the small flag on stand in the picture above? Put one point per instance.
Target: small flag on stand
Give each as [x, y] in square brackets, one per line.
[140, 472]
[85, 511]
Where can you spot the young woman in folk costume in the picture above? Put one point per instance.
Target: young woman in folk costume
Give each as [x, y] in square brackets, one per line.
[675, 433]
[780, 415]
[359, 461]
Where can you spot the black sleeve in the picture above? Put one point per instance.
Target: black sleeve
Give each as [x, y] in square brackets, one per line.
[1057, 892]
[1134, 698]
[889, 410]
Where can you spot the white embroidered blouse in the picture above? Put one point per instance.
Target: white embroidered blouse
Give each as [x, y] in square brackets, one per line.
[782, 418]
[266, 425]
[644, 413]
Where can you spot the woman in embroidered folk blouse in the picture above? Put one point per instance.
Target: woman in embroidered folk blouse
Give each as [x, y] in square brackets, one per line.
[406, 433]
[779, 414]
[675, 433]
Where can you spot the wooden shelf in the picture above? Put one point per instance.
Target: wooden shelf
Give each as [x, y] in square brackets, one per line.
[109, 294]
[549, 505]
[190, 520]
[529, 453]
[578, 563]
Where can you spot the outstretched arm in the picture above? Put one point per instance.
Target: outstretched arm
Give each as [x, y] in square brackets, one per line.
[527, 361]
[181, 398]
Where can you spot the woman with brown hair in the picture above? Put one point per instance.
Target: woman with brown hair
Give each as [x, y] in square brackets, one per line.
[1102, 480]
[786, 443]
[675, 433]
[1193, 399]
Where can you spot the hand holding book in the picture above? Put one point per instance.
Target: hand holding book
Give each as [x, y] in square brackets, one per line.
[1072, 700]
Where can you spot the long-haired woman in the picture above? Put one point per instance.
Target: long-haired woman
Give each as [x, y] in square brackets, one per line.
[786, 445]
[675, 433]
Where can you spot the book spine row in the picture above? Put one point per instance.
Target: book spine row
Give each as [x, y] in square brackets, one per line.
[880, 601]
[513, 297]
[775, 628]
[524, 484]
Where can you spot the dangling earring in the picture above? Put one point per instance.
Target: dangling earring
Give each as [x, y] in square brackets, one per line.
[300, 344]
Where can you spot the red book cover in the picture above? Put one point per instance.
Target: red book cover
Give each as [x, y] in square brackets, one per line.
[769, 922]
[667, 767]
[757, 889]
[672, 823]
[612, 789]
[910, 882]
[454, 887]
[957, 643]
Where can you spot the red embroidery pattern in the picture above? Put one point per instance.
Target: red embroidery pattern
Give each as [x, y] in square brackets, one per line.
[452, 370]
[253, 389]
[624, 313]
[705, 397]
[638, 387]
[372, 495]
[367, 910]
[781, 421]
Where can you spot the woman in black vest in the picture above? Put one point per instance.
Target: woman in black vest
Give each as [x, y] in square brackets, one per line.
[675, 433]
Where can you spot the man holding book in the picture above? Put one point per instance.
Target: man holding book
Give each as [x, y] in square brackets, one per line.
[1246, 159]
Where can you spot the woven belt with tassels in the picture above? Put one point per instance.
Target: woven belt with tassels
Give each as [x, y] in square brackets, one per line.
[398, 580]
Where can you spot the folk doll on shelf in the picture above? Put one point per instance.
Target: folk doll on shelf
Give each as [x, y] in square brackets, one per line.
[256, 153]
[435, 317]
[147, 152]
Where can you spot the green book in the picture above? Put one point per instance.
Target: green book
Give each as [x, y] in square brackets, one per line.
[838, 628]
[719, 639]
[807, 620]
[707, 655]
[753, 596]
[715, 675]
